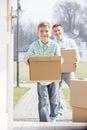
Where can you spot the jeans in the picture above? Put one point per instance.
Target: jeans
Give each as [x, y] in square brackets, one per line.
[66, 77]
[47, 99]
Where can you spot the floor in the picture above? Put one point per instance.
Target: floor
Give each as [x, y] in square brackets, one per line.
[49, 126]
[26, 115]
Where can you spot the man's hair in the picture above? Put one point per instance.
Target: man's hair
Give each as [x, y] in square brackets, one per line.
[44, 24]
[56, 25]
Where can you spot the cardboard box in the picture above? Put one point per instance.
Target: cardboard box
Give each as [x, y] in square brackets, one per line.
[45, 68]
[78, 97]
[69, 57]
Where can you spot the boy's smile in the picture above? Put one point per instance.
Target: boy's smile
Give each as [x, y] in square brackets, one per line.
[44, 34]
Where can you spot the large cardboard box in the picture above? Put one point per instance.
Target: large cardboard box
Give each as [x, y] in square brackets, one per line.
[45, 68]
[69, 57]
[78, 97]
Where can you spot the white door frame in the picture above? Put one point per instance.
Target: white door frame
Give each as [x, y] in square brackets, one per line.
[6, 67]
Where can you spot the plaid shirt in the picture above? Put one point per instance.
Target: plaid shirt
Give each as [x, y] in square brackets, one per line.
[37, 48]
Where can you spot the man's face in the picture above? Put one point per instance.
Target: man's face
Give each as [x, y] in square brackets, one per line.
[58, 31]
[44, 34]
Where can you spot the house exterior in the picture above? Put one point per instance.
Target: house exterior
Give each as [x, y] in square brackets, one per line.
[22, 52]
[82, 45]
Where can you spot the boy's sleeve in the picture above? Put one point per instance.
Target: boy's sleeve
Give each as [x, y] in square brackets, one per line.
[57, 52]
[30, 52]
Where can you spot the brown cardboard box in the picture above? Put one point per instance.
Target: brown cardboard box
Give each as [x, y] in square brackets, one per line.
[78, 89]
[69, 57]
[45, 68]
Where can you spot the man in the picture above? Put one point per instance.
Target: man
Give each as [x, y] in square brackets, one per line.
[65, 43]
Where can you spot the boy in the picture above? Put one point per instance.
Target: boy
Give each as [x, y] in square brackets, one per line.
[47, 91]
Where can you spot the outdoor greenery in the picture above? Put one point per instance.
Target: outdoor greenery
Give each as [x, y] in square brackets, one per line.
[68, 14]
[71, 14]
[18, 93]
[81, 70]
[23, 72]
[66, 93]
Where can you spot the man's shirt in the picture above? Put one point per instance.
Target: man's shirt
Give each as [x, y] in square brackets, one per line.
[66, 43]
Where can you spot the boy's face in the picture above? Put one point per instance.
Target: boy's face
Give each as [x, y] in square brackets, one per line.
[58, 31]
[44, 34]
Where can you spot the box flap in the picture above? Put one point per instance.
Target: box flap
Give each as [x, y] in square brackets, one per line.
[45, 58]
[78, 90]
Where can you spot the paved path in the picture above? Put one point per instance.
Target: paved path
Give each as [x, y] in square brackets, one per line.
[26, 115]
[26, 109]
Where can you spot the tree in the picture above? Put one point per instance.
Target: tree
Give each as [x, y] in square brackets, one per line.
[83, 23]
[68, 15]
[27, 34]
[31, 32]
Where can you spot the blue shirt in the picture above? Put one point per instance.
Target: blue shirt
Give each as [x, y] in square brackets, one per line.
[66, 43]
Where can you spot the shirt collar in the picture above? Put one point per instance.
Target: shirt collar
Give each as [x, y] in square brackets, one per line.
[41, 43]
[64, 39]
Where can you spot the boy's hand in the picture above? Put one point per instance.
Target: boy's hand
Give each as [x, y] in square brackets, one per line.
[26, 61]
[62, 60]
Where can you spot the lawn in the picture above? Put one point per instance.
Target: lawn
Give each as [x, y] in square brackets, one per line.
[23, 77]
[82, 70]
[23, 72]
[66, 93]
[18, 93]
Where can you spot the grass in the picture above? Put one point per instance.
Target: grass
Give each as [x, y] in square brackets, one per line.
[18, 93]
[66, 93]
[23, 77]
[23, 72]
[81, 70]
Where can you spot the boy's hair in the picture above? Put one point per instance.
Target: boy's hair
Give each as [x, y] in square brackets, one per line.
[44, 24]
[56, 25]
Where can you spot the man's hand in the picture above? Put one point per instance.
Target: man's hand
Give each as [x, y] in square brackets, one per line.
[76, 63]
[62, 60]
